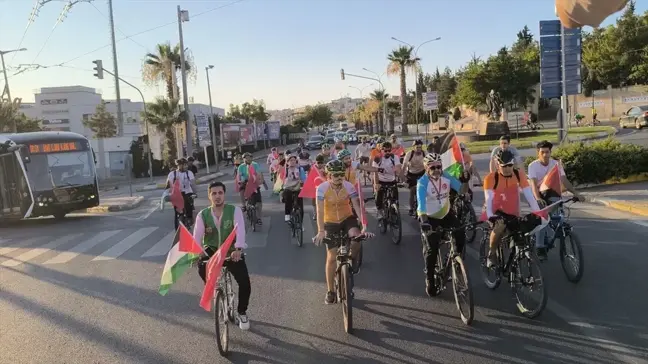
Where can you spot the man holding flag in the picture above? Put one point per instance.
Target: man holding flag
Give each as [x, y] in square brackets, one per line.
[220, 228]
[547, 178]
[250, 179]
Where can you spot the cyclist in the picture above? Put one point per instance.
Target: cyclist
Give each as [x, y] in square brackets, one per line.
[469, 164]
[237, 162]
[538, 170]
[244, 175]
[271, 161]
[334, 215]
[351, 166]
[376, 150]
[387, 179]
[363, 150]
[337, 147]
[326, 151]
[505, 144]
[397, 147]
[435, 193]
[414, 169]
[320, 163]
[213, 226]
[187, 187]
[292, 183]
[502, 193]
[191, 165]
[304, 161]
[434, 145]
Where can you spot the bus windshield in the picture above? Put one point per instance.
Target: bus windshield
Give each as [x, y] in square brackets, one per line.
[67, 169]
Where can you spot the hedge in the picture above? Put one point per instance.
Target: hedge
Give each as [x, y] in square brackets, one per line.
[601, 161]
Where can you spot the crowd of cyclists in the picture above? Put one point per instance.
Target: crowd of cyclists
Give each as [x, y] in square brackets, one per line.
[432, 196]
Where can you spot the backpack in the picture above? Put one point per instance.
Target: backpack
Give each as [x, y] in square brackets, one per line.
[515, 171]
[391, 159]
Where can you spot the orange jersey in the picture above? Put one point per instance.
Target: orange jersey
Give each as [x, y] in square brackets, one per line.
[375, 153]
[507, 191]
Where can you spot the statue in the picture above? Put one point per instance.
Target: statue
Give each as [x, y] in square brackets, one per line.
[494, 104]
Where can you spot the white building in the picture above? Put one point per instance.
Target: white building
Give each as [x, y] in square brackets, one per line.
[65, 108]
[344, 105]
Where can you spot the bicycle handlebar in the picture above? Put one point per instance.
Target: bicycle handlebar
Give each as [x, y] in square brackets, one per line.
[361, 237]
[425, 225]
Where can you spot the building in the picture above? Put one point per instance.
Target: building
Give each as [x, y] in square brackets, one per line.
[284, 116]
[344, 105]
[65, 109]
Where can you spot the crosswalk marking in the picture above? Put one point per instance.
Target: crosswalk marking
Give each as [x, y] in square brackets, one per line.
[7, 250]
[31, 254]
[121, 247]
[83, 247]
[161, 247]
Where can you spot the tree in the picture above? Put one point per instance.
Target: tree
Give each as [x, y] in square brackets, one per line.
[249, 112]
[318, 115]
[10, 113]
[160, 67]
[401, 61]
[164, 114]
[102, 123]
[381, 97]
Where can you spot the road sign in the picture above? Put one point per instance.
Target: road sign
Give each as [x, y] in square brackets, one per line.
[551, 59]
[554, 90]
[204, 135]
[430, 101]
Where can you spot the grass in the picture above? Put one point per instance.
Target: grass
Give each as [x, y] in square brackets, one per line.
[547, 134]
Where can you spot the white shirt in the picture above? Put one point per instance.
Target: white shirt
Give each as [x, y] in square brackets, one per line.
[389, 174]
[538, 171]
[363, 150]
[185, 179]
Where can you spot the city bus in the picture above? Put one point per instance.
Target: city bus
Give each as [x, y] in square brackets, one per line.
[46, 173]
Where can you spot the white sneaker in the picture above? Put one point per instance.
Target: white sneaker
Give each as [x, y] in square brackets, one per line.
[244, 323]
[287, 218]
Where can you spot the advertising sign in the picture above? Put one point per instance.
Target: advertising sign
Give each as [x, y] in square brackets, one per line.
[261, 131]
[273, 130]
[204, 135]
[246, 134]
[230, 135]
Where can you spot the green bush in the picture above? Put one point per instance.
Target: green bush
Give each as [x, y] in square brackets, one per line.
[600, 161]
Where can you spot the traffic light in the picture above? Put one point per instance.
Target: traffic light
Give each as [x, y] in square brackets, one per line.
[98, 69]
[342, 73]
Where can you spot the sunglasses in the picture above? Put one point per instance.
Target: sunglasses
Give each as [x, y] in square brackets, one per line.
[386, 150]
[337, 174]
[435, 167]
[507, 165]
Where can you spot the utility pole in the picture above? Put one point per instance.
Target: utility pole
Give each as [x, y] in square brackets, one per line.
[120, 116]
[213, 122]
[4, 71]
[183, 15]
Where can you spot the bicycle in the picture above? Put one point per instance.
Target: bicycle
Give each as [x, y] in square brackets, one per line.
[183, 218]
[296, 220]
[467, 216]
[224, 308]
[534, 126]
[521, 251]
[250, 209]
[442, 270]
[344, 275]
[391, 217]
[562, 230]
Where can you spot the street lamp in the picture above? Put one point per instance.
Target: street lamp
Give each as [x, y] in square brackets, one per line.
[361, 89]
[183, 16]
[4, 71]
[213, 123]
[418, 73]
[384, 100]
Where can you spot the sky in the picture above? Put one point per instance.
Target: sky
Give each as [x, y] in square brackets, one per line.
[286, 52]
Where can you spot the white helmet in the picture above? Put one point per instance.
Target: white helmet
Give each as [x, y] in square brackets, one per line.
[432, 157]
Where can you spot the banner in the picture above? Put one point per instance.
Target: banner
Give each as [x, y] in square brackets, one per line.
[231, 135]
[246, 134]
[273, 130]
[204, 135]
[261, 131]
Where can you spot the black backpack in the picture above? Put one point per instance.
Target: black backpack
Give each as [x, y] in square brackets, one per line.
[515, 171]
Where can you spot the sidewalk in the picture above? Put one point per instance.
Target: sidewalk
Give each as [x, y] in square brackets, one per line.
[629, 197]
[123, 203]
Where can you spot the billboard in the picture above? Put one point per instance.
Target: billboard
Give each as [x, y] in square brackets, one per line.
[230, 135]
[273, 130]
[204, 135]
[261, 131]
[246, 134]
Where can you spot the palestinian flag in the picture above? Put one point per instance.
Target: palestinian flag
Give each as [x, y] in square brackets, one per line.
[184, 252]
[451, 155]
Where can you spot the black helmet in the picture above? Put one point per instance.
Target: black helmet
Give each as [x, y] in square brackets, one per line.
[505, 157]
[304, 155]
[335, 166]
[417, 142]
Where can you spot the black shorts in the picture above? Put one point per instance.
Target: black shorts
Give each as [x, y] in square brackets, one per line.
[343, 227]
[412, 178]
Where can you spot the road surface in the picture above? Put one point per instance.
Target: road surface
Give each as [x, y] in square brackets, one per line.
[84, 290]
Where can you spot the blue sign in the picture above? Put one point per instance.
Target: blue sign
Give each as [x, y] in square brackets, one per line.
[548, 44]
[551, 62]
[554, 90]
[549, 27]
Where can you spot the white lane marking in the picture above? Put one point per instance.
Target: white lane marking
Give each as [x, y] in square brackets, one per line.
[83, 247]
[33, 253]
[149, 212]
[613, 243]
[123, 246]
[161, 247]
[596, 335]
[641, 223]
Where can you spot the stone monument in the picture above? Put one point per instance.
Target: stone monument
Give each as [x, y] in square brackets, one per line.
[494, 126]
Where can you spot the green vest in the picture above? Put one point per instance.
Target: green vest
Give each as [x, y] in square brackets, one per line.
[214, 237]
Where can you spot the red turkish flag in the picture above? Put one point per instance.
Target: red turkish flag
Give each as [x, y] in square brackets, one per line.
[213, 270]
[313, 180]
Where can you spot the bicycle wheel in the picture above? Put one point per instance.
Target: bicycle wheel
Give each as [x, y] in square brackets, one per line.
[462, 291]
[523, 278]
[469, 217]
[221, 323]
[252, 217]
[382, 224]
[572, 257]
[298, 232]
[492, 277]
[346, 297]
[396, 225]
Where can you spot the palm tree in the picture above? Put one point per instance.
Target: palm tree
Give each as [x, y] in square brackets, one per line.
[381, 96]
[164, 114]
[160, 66]
[401, 61]
[393, 108]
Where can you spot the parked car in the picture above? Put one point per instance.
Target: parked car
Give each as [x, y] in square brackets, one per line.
[351, 137]
[314, 142]
[636, 116]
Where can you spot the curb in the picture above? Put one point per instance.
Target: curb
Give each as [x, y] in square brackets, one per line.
[619, 205]
[600, 135]
[113, 208]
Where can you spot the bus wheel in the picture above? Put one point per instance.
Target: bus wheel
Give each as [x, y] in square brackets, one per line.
[60, 215]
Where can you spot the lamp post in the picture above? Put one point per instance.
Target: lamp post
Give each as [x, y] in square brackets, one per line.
[183, 16]
[213, 122]
[384, 101]
[4, 71]
[418, 73]
[361, 90]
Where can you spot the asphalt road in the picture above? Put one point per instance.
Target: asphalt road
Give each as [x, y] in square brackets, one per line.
[85, 291]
